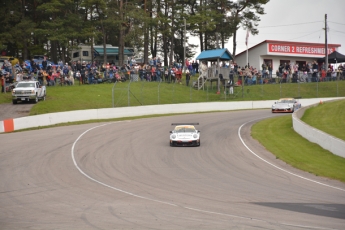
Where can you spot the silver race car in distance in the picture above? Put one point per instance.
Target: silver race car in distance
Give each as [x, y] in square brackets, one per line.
[286, 105]
[185, 134]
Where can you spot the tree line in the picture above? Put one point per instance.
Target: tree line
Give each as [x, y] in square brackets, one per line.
[151, 27]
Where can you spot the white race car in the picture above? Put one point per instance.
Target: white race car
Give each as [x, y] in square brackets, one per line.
[185, 134]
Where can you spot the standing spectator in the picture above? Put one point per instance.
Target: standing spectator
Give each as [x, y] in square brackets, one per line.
[187, 77]
[315, 71]
[323, 66]
[44, 63]
[2, 79]
[269, 67]
[166, 74]
[323, 75]
[78, 66]
[235, 68]
[154, 62]
[40, 76]
[287, 72]
[264, 69]
[178, 74]
[309, 72]
[193, 68]
[90, 77]
[187, 63]
[70, 75]
[196, 67]
[45, 76]
[153, 73]
[19, 76]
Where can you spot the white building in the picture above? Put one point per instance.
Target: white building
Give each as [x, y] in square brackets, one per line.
[277, 52]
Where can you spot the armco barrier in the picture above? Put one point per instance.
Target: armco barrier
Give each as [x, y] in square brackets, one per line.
[109, 113]
[326, 141]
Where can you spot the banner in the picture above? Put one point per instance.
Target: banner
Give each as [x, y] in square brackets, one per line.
[299, 49]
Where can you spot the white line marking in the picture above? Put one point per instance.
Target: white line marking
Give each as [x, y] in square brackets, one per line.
[284, 170]
[168, 203]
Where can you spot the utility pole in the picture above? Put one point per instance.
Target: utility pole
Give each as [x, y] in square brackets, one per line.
[184, 45]
[326, 45]
[171, 56]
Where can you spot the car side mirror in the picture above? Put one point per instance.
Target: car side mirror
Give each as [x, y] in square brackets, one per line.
[275, 102]
[171, 132]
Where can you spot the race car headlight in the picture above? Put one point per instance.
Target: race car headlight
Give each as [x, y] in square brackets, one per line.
[195, 135]
[173, 136]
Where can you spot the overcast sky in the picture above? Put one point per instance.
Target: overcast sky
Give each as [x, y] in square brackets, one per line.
[297, 21]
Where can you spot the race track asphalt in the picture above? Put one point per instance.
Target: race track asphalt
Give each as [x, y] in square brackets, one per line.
[124, 175]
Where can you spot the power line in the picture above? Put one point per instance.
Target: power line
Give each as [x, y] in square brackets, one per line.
[291, 24]
[337, 23]
[339, 31]
[305, 35]
[289, 33]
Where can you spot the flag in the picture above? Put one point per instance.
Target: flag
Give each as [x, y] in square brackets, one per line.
[247, 37]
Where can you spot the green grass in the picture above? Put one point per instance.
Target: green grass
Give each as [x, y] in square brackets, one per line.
[278, 136]
[328, 117]
[68, 98]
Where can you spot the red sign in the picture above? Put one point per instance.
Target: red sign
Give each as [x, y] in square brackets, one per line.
[299, 49]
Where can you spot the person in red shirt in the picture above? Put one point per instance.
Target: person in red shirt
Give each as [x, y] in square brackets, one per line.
[178, 74]
[323, 75]
[187, 63]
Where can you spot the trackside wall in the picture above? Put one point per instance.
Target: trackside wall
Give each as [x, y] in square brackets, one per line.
[109, 113]
[326, 141]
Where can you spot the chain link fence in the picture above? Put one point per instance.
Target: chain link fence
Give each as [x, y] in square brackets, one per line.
[136, 92]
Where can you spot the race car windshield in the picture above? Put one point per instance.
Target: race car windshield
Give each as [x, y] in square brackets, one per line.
[184, 129]
[25, 84]
[286, 101]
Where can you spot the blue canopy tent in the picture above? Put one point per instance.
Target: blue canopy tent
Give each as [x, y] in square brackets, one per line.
[215, 55]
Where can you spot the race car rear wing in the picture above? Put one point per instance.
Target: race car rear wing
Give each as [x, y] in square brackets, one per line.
[185, 123]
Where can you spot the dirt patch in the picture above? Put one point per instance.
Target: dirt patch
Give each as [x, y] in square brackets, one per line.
[9, 110]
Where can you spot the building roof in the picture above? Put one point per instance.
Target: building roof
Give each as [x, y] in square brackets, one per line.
[287, 42]
[214, 55]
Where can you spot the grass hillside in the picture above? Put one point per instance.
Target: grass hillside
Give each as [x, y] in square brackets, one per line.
[68, 98]
[328, 117]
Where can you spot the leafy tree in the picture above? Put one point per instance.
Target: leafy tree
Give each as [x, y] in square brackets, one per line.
[246, 14]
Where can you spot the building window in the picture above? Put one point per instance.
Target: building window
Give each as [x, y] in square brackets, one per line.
[268, 61]
[76, 54]
[284, 62]
[85, 53]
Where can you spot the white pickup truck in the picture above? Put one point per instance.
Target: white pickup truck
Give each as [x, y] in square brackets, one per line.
[28, 91]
